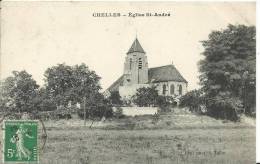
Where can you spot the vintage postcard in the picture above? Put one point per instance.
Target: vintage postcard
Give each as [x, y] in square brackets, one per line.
[128, 82]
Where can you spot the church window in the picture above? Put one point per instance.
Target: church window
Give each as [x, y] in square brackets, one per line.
[140, 63]
[131, 63]
[180, 90]
[172, 89]
[164, 89]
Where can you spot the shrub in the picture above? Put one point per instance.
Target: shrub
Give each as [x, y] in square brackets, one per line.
[47, 105]
[118, 113]
[96, 112]
[115, 98]
[193, 100]
[156, 118]
[166, 101]
[146, 96]
[225, 107]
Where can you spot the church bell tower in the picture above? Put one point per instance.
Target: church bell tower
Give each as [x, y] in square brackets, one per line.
[136, 65]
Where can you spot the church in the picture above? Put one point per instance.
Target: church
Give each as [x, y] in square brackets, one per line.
[137, 74]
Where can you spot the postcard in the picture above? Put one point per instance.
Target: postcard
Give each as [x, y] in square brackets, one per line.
[128, 82]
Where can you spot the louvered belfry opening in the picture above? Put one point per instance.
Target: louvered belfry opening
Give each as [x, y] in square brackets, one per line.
[140, 63]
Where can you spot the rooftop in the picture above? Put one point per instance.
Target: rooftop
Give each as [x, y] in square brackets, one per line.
[136, 47]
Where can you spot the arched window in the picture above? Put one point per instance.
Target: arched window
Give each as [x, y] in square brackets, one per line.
[164, 89]
[172, 89]
[180, 90]
[140, 63]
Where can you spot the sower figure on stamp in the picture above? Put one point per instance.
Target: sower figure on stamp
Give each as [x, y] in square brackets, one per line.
[18, 139]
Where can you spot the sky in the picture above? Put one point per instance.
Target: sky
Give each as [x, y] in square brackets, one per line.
[38, 35]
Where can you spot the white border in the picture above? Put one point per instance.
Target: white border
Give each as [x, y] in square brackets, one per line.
[257, 84]
[257, 48]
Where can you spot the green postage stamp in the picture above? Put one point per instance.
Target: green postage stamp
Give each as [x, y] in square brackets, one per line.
[20, 141]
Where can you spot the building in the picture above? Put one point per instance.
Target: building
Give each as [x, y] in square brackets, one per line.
[137, 74]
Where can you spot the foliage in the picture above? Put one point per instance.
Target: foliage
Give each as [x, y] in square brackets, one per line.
[225, 106]
[228, 69]
[96, 107]
[76, 84]
[163, 101]
[64, 85]
[155, 118]
[115, 98]
[96, 112]
[119, 112]
[71, 83]
[19, 92]
[52, 115]
[193, 100]
[44, 102]
[146, 96]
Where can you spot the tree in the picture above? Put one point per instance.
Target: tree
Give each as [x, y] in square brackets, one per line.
[96, 108]
[44, 101]
[115, 98]
[229, 57]
[19, 92]
[146, 96]
[193, 100]
[77, 84]
[58, 83]
[71, 83]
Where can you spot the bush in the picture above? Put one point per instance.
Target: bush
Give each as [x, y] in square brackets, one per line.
[193, 100]
[47, 105]
[115, 98]
[118, 113]
[166, 101]
[98, 111]
[156, 118]
[225, 108]
[13, 116]
[146, 96]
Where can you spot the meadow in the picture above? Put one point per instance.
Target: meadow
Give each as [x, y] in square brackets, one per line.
[195, 146]
[169, 139]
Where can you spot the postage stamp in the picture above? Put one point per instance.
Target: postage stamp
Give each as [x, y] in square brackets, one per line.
[20, 141]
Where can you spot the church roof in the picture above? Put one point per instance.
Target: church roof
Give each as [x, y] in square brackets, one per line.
[136, 47]
[116, 84]
[155, 75]
[164, 73]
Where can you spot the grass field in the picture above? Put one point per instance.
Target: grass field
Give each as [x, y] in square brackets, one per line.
[217, 146]
[173, 139]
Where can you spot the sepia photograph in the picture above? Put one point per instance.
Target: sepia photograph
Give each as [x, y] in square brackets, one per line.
[128, 82]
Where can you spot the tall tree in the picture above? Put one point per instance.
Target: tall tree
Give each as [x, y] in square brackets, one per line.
[228, 68]
[19, 91]
[71, 83]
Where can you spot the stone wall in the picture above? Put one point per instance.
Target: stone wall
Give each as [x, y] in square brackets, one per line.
[137, 111]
